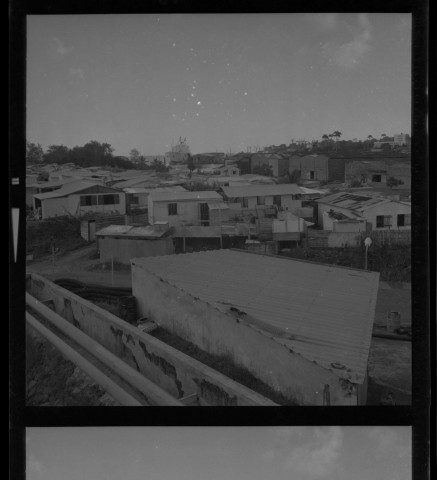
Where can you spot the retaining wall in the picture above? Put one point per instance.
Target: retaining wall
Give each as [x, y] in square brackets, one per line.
[172, 370]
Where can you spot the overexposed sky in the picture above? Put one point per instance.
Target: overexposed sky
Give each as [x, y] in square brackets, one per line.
[223, 81]
[218, 453]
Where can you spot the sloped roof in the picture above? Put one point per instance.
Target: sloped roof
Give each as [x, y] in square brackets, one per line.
[135, 181]
[260, 190]
[129, 231]
[175, 196]
[322, 312]
[353, 201]
[69, 189]
[54, 183]
[176, 188]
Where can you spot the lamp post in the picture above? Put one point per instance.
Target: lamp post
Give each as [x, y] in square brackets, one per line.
[367, 243]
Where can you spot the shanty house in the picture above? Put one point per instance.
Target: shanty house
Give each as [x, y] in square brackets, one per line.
[78, 198]
[303, 328]
[138, 196]
[318, 167]
[277, 163]
[283, 196]
[120, 243]
[183, 208]
[379, 212]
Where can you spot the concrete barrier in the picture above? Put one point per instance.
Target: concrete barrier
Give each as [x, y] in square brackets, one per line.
[170, 369]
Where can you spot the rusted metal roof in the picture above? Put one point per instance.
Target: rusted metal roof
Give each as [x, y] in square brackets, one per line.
[322, 312]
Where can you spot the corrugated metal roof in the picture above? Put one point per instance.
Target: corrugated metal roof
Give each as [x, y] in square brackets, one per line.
[260, 190]
[218, 206]
[196, 232]
[174, 196]
[130, 231]
[54, 183]
[322, 312]
[135, 181]
[68, 189]
[144, 190]
[353, 201]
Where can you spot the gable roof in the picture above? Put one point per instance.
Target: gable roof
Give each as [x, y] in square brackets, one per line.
[260, 190]
[322, 312]
[181, 196]
[68, 189]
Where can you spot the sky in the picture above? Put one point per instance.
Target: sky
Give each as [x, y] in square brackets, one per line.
[222, 81]
[218, 453]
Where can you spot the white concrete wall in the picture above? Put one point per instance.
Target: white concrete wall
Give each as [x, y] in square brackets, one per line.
[221, 334]
[52, 207]
[393, 209]
[188, 212]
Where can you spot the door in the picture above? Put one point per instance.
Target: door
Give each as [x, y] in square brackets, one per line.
[91, 230]
[204, 215]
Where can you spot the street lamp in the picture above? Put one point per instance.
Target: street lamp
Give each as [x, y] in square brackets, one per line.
[367, 243]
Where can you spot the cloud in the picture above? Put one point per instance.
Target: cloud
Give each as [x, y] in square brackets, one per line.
[350, 54]
[77, 72]
[317, 457]
[327, 21]
[60, 47]
[385, 438]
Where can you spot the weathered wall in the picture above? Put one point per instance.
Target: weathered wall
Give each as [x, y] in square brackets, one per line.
[123, 249]
[393, 209]
[53, 207]
[172, 370]
[222, 334]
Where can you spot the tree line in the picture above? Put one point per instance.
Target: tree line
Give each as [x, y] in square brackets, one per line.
[92, 154]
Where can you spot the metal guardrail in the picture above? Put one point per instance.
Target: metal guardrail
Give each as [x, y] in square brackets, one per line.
[154, 394]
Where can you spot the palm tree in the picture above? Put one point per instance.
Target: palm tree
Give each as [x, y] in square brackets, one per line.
[337, 135]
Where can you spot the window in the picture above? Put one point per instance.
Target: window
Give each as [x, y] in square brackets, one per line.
[277, 200]
[109, 199]
[376, 178]
[88, 200]
[311, 174]
[383, 221]
[172, 208]
[260, 200]
[404, 220]
[245, 202]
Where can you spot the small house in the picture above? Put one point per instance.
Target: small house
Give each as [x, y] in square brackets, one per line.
[121, 243]
[379, 212]
[183, 208]
[318, 167]
[78, 198]
[283, 196]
